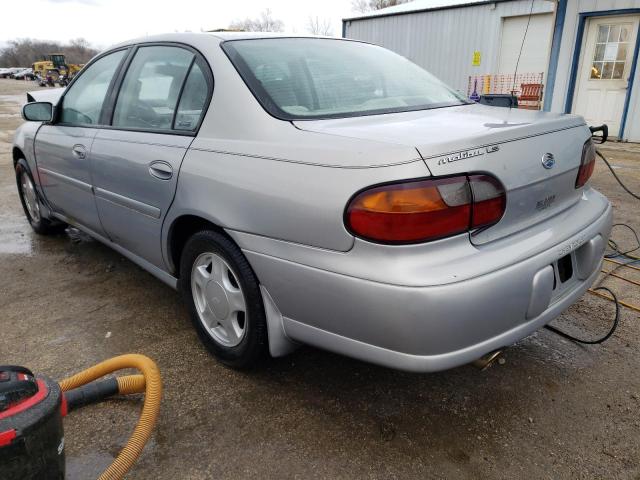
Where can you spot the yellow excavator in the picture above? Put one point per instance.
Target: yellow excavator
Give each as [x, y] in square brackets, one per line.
[55, 68]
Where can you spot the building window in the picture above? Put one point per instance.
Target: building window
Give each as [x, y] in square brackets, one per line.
[611, 52]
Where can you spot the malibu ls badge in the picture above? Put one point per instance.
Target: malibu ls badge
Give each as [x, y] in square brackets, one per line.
[476, 152]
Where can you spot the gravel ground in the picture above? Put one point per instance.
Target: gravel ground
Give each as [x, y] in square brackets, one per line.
[553, 409]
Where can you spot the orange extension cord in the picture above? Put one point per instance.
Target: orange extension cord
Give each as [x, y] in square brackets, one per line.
[607, 297]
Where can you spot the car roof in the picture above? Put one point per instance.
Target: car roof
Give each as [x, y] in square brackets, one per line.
[250, 35]
[196, 39]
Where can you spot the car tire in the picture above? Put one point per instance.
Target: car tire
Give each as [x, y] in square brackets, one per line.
[223, 296]
[31, 203]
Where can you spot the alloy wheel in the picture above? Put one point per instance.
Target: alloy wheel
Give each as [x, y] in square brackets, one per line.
[30, 197]
[219, 299]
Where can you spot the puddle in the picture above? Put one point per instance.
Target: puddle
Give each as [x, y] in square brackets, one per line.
[18, 99]
[90, 464]
[87, 465]
[15, 235]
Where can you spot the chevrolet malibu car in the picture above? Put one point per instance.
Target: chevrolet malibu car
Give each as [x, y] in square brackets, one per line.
[319, 191]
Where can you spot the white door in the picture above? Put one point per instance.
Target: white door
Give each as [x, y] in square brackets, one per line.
[603, 77]
[535, 51]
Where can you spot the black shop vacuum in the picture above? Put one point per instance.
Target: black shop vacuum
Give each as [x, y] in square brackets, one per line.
[32, 408]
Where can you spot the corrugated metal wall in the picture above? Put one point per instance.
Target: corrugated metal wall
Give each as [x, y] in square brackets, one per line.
[443, 41]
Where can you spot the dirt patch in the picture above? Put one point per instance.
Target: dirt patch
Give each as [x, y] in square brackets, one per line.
[552, 410]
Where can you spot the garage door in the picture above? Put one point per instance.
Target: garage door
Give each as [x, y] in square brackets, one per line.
[535, 53]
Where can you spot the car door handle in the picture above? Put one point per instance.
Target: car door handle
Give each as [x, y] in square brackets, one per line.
[79, 151]
[161, 170]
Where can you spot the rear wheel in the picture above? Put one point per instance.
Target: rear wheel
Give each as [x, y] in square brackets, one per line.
[31, 202]
[224, 300]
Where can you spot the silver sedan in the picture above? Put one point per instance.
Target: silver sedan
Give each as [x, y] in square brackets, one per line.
[319, 191]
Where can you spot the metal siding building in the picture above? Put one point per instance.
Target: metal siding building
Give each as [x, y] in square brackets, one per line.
[442, 36]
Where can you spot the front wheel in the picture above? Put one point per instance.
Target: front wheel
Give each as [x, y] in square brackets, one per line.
[224, 299]
[31, 202]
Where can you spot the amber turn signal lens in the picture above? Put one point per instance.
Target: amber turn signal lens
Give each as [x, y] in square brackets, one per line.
[425, 210]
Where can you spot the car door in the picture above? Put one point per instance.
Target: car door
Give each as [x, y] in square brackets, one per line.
[63, 148]
[137, 158]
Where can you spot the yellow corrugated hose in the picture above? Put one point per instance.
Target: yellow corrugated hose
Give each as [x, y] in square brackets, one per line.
[149, 382]
[131, 384]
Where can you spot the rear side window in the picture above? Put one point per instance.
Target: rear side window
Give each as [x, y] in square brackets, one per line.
[151, 88]
[193, 100]
[82, 104]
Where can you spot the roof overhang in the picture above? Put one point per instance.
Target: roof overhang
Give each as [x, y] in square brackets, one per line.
[394, 11]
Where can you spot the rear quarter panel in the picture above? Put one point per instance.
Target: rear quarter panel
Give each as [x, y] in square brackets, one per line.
[281, 199]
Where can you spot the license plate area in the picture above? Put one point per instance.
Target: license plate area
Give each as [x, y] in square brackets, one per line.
[564, 273]
[565, 268]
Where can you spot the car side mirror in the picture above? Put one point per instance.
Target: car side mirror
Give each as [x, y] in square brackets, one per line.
[38, 112]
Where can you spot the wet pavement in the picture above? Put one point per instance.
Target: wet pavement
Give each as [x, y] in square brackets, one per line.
[553, 409]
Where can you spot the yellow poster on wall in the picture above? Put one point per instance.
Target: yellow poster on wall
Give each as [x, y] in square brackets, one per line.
[476, 59]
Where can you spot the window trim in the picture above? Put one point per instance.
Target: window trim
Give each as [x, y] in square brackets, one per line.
[113, 91]
[184, 83]
[107, 112]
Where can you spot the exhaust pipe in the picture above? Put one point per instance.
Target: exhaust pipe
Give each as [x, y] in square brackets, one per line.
[487, 360]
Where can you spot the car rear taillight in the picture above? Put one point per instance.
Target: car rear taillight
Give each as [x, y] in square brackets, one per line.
[424, 210]
[489, 200]
[587, 163]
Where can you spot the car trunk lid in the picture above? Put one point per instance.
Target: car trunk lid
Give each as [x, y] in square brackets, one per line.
[507, 143]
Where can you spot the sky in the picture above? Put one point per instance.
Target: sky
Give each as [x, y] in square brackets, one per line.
[105, 22]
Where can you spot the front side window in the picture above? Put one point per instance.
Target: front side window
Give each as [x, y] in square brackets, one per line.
[82, 104]
[307, 78]
[151, 87]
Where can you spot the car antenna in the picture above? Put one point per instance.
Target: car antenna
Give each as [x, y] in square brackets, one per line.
[515, 73]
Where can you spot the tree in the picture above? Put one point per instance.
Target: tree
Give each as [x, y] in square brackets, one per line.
[360, 6]
[264, 23]
[23, 52]
[79, 50]
[363, 6]
[317, 26]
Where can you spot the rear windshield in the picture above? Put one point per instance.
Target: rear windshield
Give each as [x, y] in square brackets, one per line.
[310, 78]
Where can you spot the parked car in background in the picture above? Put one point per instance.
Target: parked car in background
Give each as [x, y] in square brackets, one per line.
[24, 74]
[7, 72]
[319, 191]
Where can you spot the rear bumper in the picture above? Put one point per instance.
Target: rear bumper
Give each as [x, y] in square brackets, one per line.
[439, 326]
